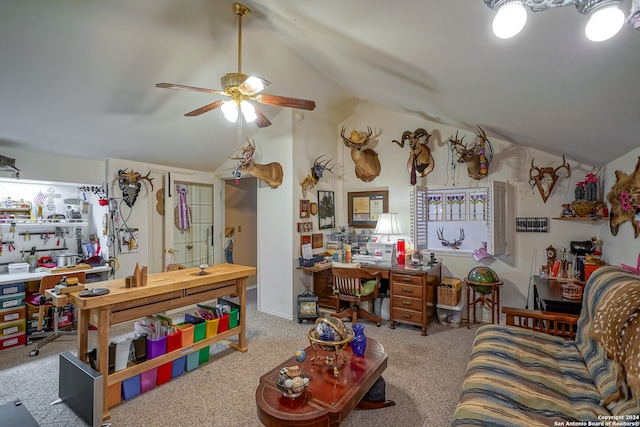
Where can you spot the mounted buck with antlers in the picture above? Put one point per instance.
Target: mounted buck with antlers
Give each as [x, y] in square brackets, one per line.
[317, 170]
[270, 173]
[420, 159]
[477, 157]
[365, 159]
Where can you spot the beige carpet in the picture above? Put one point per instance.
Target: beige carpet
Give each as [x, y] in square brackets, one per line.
[423, 377]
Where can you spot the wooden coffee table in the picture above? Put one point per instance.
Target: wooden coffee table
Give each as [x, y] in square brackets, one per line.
[327, 400]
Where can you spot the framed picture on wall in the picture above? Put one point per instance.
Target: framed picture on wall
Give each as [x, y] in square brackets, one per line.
[326, 210]
[365, 207]
[317, 240]
[304, 209]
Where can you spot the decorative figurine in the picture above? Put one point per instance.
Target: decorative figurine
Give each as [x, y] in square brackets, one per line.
[228, 244]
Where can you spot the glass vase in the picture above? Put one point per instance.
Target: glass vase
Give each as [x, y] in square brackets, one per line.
[359, 343]
[579, 192]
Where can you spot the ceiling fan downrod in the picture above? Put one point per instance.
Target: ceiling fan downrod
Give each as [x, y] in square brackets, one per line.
[241, 10]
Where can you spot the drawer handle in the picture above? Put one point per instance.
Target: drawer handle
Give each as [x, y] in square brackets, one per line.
[406, 316]
[324, 299]
[406, 303]
[407, 279]
[409, 291]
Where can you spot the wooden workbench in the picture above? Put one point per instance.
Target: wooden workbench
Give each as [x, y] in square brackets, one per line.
[164, 291]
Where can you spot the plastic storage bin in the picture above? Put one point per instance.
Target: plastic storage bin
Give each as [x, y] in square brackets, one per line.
[156, 348]
[12, 300]
[131, 387]
[13, 341]
[234, 312]
[12, 328]
[11, 288]
[12, 314]
[148, 380]
[18, 268]
[450, 315]
[174, 342]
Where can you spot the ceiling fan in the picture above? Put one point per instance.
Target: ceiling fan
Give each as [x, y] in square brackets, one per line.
[242, 88]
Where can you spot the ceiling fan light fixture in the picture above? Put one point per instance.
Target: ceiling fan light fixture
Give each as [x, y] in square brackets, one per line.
[604, 22]
[252, 85]
[230, 110]
[510, 19]
[248, 111]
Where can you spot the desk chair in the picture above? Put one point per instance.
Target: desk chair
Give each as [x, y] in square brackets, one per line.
[355, 285]
[49, 282]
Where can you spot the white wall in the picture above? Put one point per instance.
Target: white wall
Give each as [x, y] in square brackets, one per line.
[511, 164]
[623, 248]
[49, 167]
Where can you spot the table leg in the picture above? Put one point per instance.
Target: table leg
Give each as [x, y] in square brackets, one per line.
[83, 334]
[241, 290]
[468, 302]
[103, 356]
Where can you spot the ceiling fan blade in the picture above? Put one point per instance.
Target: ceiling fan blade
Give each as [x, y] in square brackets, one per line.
[283, 101]
[206, 108]
[253, 85]
[191, 88]
[261, 121]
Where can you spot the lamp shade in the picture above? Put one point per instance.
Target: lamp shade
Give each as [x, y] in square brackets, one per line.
[388, 224]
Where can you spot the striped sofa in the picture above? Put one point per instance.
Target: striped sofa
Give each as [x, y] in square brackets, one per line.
[522, 377]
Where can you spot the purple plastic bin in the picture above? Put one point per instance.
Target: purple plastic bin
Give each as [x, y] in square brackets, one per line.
[157, 347]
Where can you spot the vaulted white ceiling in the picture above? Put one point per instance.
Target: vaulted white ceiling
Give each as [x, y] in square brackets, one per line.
[77, 77]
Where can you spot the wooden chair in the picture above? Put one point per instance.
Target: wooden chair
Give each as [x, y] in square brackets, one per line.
[49, 282]
[355, 285]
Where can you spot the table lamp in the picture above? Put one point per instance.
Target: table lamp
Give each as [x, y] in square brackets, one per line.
[388, 224]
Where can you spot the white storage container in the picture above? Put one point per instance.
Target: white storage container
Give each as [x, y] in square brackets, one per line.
[18, 267]
[450, 315]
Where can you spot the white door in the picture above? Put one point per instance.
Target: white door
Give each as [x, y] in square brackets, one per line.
[188, 226]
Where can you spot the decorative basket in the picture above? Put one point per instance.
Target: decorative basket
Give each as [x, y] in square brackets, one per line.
[448, 295]
[571, 291]
[583, 207]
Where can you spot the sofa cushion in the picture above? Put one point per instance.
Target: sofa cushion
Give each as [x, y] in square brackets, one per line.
[606, 280]
[519, 377]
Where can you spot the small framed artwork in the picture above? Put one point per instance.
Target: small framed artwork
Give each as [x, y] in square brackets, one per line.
[305, 239]
[326, 210]
[365, 207]
[314, 208]
[304, 209]
[317, 240]
[305, 227]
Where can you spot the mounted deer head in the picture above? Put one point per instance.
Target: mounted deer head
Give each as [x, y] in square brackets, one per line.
[130, 183]
[420, 160]
[365, 159]
[317, 170]
[545, 178]
[624, 198]
[270, 173]
[477, 157]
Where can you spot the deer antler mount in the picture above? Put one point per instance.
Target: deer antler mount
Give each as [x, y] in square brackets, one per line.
[545, 178]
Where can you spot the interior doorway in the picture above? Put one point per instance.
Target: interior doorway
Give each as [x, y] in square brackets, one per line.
[189, 224]
[240, 212]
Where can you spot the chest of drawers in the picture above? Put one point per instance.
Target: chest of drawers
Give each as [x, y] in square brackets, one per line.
[413, 297]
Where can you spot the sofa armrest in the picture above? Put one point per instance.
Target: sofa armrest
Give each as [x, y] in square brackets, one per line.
[558, 324]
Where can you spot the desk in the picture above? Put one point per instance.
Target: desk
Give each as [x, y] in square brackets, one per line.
[327, 400]
[164, 291]
[547, 296]
[412, 291]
